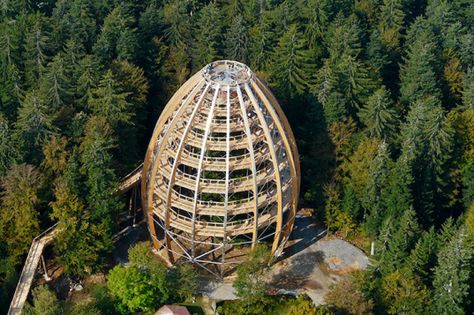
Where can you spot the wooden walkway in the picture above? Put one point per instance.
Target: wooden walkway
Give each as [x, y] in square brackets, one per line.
[41, 241]
[29, 269]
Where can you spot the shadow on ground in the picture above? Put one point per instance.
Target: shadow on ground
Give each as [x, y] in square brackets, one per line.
[298, 273]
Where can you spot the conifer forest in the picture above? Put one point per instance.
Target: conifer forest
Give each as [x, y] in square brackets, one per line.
[379, 95]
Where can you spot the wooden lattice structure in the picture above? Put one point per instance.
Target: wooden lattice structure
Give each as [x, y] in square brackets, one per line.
[221, 171]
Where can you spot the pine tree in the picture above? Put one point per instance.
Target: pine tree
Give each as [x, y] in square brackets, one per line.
[399, 245]
[128, 45]
[426, 145]
[11, 92]
[317, 23]
[96, 160]
[418, 74]
[33, 127]
[36, 46]
[292, 67]
[87, 81]
[404, 293]
[326, 90]
[175, 70]
[19, 215]
[391, 22]
[206, 43]
[377, 182]
[82, 23]
[343, 38]
[439, 133]
[9, 41]
[176, 16]
[398, 195]
[111, 103]
[81, 245]
[423, 257]
[261, 44]
[379, 116]
[452, 276]
[116, 26]
[8, 147]
[237, 40]
[56, 85]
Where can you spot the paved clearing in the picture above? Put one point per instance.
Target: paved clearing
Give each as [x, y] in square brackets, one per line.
[309, 265]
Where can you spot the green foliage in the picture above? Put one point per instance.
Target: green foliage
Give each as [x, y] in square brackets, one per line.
[237, 40]
[8, 147]
[422, 258]
[133, 289]
[347, 296]
[292, 65]
[397, 240]
[207, 40]
[108, 102]
[186, 281]
[33, 126]
[250, 283]
[452, 275]
[96, 159]
[418, 75]
[379, 94]
[403, 293]
[81, 244]
[19, 213]
[45, 302]
[379, 116]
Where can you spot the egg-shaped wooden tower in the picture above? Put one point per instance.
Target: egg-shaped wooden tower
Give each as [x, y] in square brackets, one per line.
[221, 172]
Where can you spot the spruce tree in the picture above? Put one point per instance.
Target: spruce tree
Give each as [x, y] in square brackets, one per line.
[379, 116]
[116, 26]
[237, 40]
[36, 46]
[400, 243]
[418, 74]
[392, 18]
[422, 258]
[206, 43]
[33, 126]
[19, 213]
[262, 41]
[56, 85]
[81, 244]
[96, 160]
[292, 68]
[111, 103]
[452, 275]
[377, 182]
[87, 81]
[177, 19]
[9, 153]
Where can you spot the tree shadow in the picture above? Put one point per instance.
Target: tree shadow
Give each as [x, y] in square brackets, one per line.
[305, 233]
[298, 273]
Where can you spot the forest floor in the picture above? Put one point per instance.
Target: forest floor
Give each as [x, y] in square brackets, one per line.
[310, 265]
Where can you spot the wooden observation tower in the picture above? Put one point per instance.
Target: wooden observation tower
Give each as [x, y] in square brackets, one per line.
[221, 172]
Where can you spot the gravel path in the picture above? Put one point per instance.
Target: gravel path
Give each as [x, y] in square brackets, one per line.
[309, 265]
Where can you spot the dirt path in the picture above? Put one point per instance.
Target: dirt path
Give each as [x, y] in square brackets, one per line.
[309, 265]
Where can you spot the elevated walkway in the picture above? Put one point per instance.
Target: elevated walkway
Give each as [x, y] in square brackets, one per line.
[41, 241]
[29, 269]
